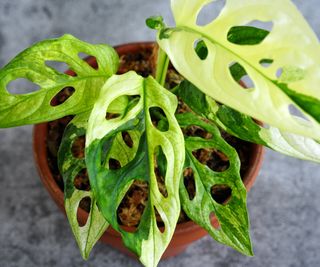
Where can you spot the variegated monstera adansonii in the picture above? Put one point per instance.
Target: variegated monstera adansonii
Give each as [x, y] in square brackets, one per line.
[20, 108]
[283, 66]
[72, 164]
[110, 185]
[201, 205]
[34, 65]
[245, 128]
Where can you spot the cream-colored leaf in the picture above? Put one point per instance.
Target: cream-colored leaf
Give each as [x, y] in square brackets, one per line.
[291, 45]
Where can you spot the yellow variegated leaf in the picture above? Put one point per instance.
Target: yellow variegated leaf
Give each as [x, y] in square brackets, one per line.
[291, 46]
[155, 145]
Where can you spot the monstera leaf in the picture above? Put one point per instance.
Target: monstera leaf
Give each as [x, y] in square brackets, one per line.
[71, 165]
[291, 49]
[205, 201]
[33, 64]
[245, 128]
[146, 97]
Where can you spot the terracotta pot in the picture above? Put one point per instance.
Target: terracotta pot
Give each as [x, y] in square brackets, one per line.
[185, 233]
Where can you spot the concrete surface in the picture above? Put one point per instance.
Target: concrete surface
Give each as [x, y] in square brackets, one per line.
[284, 209]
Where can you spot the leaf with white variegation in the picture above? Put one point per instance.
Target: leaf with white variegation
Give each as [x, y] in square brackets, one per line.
[291, 46]
[148, 242]
[232, 215]
[31, 64]
[70, 166]
[245, 128]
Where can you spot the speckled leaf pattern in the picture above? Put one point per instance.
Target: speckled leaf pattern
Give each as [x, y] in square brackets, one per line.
[35, 107]
[70, 166]
[148, 242]
[291, 78]
[286, 143]
[245, 128]
[232, 216]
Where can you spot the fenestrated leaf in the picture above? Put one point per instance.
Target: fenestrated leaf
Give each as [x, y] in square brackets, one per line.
[110, 186]
[70, 166]
[233, 216]
[245, 128]
[35, 107]
[291, 46]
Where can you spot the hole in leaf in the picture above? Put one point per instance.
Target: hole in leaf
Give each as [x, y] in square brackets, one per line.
[58, 66]
[189, 182]
[210, 12]
[132, 102]
[294, 111]
[262, 25]
[160, 223]
[110, 116]
[214, 221]
[240, 75]
[244, 149]
[127, 139]
[160, 170]
[114, 164]
[133, 204]
[212, 158]
[78, 147]
[196, 131]
[120, 106]
[62, 96]
[22, 86]
[159, 119]
[89, 59]
[84, 56]
[252, 33]
[81, 181]
[279, 72]
[221, 193]
[85, 204]
[247, 81]
[201, 49]
[266, 62]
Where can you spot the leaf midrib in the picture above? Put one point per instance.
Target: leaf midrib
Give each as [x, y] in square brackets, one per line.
[149, 163]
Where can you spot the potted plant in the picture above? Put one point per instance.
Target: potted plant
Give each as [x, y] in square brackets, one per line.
[48, 137]
[110, 109]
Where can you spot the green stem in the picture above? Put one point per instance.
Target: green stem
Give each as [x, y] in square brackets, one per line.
[162, 67]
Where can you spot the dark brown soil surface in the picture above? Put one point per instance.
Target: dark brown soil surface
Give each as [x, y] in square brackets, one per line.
[133, 204]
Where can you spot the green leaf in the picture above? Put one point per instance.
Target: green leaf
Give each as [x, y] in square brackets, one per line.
[155, 22]
[245, 128]
[35, 107]
[233, 216]
[291, 46]
[202, 50]
[246, 35]
[237, 72]
[148, 242]
[70, 166]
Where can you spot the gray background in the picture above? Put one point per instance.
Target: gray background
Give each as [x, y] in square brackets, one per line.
[283, 204]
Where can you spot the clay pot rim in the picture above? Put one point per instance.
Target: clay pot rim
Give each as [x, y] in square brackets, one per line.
[40, 157]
